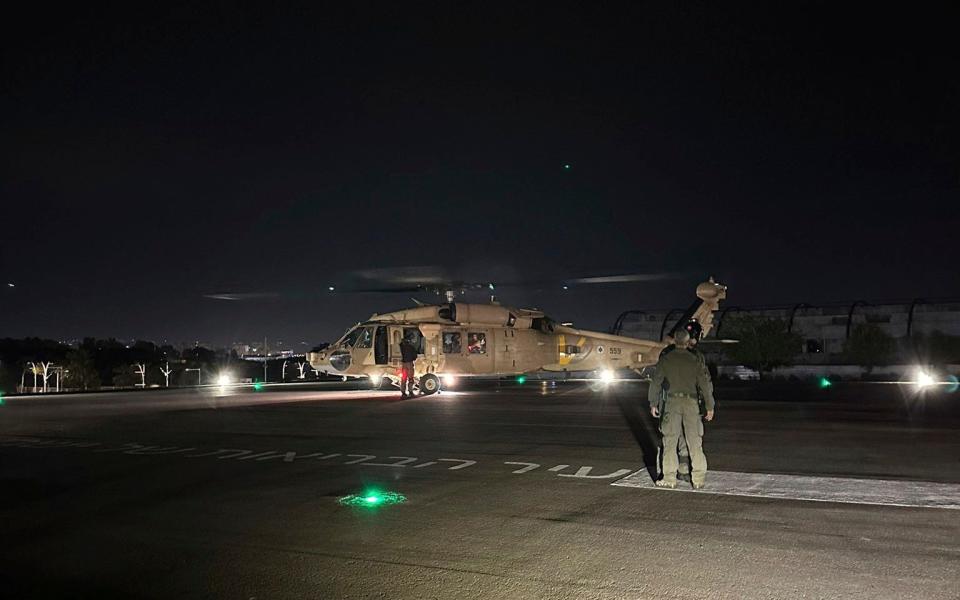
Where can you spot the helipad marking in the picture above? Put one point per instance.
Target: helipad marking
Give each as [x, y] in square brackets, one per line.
[883, 492]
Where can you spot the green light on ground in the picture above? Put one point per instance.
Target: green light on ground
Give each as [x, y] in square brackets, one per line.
[825, 383]
[258, 386]
[1, 398]
[372, 498]
[521, 380]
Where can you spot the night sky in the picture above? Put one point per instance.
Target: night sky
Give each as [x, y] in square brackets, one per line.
[149, 157]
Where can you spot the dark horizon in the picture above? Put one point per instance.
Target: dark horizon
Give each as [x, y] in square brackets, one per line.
[152, 156]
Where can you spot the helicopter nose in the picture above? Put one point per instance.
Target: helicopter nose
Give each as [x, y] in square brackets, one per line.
[330, 361]
[319, 361]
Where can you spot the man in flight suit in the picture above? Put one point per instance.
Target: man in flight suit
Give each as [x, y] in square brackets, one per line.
[408, 355]
[694, 329]
[682, 375]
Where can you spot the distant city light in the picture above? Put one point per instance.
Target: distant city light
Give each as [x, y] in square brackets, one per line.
[11, 285]
[224, 379]
[825, 383]
[607, 376]
[331, 288]
[258, 386]
[521, 379]
[566, 167]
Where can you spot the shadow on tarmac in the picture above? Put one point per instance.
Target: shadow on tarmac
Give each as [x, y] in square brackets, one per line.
[644, 431]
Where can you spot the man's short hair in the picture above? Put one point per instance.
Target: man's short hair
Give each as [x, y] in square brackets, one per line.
[681, 337]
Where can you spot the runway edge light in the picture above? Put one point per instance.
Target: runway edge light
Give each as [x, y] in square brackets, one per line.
[372, 499]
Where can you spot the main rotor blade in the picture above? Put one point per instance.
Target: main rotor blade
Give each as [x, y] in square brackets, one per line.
[626, 278]
[243, 296]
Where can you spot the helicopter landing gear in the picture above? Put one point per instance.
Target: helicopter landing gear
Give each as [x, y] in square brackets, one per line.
[429, 384]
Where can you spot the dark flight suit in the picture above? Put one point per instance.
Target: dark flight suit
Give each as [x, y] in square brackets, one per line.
[683, 452]
[683, 377]
[408, 355]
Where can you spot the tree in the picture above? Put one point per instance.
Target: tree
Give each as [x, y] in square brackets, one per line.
[125, 376]
[81, 370]
[763, 343]
[8, 378]
[869, 346]
[938, 347]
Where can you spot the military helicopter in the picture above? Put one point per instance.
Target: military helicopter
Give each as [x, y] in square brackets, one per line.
[459, 339]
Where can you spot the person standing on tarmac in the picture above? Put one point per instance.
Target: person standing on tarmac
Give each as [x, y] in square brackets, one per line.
[408, 355]
[682, 375]
[694, 329]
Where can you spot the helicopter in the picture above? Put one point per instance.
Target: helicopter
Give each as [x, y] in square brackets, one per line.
[459, 339]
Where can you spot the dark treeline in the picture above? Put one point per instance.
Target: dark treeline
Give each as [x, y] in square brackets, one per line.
[97, 363]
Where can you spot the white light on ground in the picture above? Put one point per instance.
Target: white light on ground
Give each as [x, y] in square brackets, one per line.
[606, 375]
[449, 380]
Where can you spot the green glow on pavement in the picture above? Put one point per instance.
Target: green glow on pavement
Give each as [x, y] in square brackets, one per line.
[372, 498]
[521, 379]
[825, 383]
[258, 386]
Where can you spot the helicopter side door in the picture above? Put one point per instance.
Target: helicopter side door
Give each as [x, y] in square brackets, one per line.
[505, 357]
[479, 348]
[396, 334]
[363, 348]
[381, 342]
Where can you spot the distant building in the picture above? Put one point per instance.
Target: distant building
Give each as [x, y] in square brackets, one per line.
[824, 328]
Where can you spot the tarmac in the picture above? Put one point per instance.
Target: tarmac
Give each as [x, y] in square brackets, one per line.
[540, 490]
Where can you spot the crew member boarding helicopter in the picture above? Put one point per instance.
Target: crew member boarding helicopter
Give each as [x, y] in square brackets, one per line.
[457, 339]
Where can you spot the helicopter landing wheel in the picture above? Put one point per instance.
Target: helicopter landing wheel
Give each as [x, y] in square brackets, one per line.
[429, 384]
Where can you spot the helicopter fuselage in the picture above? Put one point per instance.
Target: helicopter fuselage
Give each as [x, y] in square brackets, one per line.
[461, 339]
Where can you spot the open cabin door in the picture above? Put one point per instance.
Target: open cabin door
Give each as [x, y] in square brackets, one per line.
[395, 334]
[381, 343]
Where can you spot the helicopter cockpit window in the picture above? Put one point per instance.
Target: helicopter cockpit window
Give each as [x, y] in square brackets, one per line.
[476, 343]
[351, 337]
[451, 342]
[365, 338]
